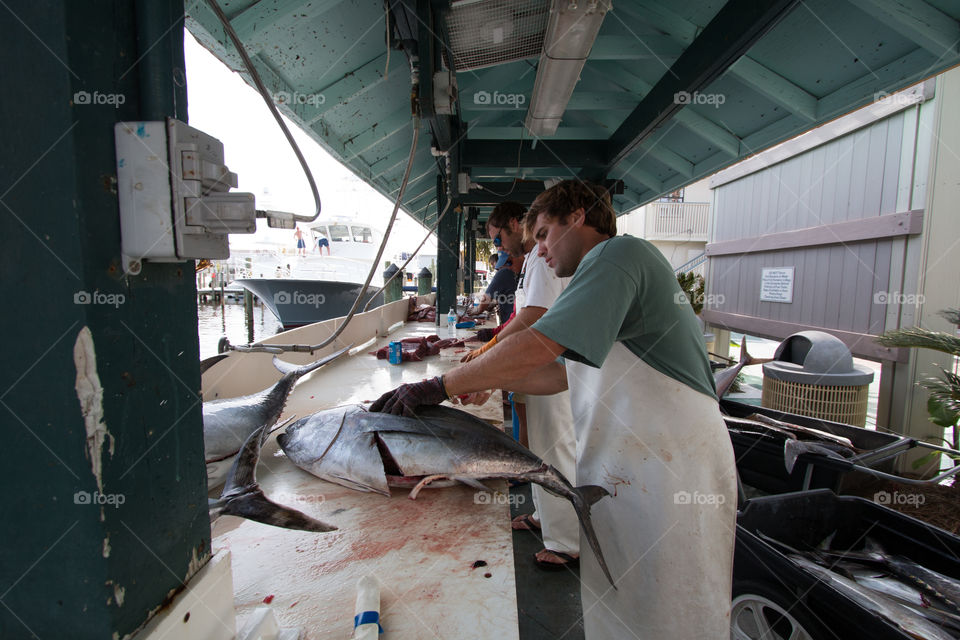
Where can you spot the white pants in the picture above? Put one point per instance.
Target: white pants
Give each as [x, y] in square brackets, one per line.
[551, 436]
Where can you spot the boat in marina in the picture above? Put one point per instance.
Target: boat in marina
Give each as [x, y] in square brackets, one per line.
[321, 283]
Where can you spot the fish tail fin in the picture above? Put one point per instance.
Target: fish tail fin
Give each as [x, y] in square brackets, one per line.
[254, 505]
[591, 493]
[745, 356]
[582, 498]
[243, 497]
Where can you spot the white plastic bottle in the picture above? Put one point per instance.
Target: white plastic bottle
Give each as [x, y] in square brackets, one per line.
[451, 323]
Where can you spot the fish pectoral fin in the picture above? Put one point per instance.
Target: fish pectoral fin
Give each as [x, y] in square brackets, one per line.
[473, 482]
[256, 506]
[359, 486]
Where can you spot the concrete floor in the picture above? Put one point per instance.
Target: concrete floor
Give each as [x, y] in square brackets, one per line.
[548, 602]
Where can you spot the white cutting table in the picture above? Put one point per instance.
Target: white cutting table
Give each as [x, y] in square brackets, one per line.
[423, 552]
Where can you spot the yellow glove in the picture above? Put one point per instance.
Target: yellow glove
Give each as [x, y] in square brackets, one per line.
[477, 352]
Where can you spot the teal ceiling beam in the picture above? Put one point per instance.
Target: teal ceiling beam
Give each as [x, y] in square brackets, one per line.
[350, 86]
[731, 33]
[775, 87]
[919, 21]
[655, 13]
[675, 161]
[265, 14]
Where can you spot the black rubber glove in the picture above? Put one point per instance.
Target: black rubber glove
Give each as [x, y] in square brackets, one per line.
[405, 399]
[485, 335]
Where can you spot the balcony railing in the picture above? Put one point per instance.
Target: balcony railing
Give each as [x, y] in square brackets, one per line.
[680, 221]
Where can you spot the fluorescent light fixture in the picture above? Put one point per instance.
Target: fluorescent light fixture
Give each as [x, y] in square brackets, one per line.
[571, 32]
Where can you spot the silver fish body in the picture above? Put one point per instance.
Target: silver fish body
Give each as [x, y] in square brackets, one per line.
[229, 422]
[887, 608]
[724, 379]
[359, 449]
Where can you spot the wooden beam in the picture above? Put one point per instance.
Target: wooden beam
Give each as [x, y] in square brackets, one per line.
[262, 15]
[776, 87]
[654, 13]
[917, 20]
[675, 161]
[692, 121]
[737, 26]
[863, 345]
[350, 86]
[905, 223]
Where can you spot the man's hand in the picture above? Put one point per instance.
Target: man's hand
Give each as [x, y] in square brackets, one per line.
[476, 353]
[405, 399]
[477, 397]
[485, 335]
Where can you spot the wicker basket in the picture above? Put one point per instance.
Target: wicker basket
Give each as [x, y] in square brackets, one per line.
[844, 404]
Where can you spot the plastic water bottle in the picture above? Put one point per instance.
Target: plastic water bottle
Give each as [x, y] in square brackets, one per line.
[451, 323]
[476, 305]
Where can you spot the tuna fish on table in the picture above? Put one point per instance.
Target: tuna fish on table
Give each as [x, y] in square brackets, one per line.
[372, 451]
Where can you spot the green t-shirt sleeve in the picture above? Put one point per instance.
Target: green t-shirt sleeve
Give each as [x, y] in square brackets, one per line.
[588, 316]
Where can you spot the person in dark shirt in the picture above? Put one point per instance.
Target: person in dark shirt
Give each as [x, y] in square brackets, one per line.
[500, 292]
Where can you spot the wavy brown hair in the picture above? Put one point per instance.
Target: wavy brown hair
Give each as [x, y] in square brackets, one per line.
[562, 199]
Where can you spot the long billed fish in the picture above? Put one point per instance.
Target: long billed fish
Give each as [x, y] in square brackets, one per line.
[228, 423]
[724, 379]
[370, 451]
[883, 606]
[243, 497]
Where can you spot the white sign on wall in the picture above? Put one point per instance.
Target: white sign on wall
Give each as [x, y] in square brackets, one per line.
[776, 285]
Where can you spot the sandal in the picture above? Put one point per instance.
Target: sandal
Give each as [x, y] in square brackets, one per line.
[568, 561]
[525, 522]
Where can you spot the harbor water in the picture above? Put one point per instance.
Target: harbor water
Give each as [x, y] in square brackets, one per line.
[213, 323]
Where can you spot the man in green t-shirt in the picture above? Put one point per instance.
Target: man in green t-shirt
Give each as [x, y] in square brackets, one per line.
[648, 427]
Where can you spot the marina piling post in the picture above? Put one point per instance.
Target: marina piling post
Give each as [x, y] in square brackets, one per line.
[424, 282]
[394, 288]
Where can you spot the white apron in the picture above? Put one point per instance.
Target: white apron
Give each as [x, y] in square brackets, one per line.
[550, 435]
[667, 530]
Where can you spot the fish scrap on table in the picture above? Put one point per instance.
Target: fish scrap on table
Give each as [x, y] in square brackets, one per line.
[416, 349]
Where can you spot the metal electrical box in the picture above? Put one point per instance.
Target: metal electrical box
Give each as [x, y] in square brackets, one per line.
[174, 191]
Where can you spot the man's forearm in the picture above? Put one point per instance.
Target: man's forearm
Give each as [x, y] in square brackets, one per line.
[545, 381]
[508, 365]
[523, 320]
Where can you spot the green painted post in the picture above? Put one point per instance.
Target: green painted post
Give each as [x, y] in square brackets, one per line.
[448, 252]
[394, 288]
[424, 282]
[102, 423]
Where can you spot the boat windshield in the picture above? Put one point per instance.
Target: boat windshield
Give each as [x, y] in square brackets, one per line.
[339, 233]
[362, 234]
